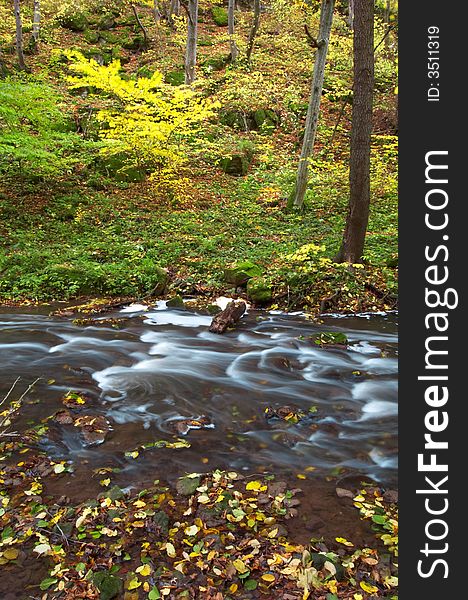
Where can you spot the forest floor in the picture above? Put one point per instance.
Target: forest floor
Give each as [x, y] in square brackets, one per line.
[91, 234]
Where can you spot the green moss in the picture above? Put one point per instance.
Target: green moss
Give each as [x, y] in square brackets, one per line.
[215, 63]
[175, 77]
[259, 290]
[91, 36]
[74, 20]
[220, 16]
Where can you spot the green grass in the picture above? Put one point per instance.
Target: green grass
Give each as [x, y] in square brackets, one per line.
[95, 243]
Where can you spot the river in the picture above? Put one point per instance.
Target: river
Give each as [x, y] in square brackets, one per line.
[162, 367]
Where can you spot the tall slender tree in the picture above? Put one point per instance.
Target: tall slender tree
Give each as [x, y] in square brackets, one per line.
[36, 22]
[351, 14]
[352, 246]
[19, 35]
[254, 30]
[232, 30]
[174, 11]
[192, 35]
[156, 12]
[296, 200]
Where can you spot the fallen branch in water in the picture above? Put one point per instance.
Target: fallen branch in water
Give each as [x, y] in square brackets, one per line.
[14, 405]
[227, 317]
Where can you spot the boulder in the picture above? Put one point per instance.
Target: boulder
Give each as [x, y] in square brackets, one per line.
[215, 63]
[237, 164]
[175, 302]
[241, 273]
[259, 290]
[74, 21]
[265, 119]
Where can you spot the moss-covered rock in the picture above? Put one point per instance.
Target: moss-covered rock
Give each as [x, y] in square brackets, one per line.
[106, 21]
[103, 55]
[117, 168]
[259, 290]
[215, 63]
[238, 161]
[237, 164]
[111, 37]
[74, 21]
[220, 16]
[175, 77]
[240, 274]
[176, 302]
[91, 36]
[135, 42]
[236, 119]
[265, 118]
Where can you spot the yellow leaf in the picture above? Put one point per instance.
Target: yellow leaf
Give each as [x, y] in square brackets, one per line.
[240, 566]
[11, 553]
[134, 584]
[144, 570]
[367, 587]
[273, 533]
[233, 588]
[268, 577]
[301, 476]
[358, 597]
[105, 482]
[344, 541]
[254, 485]
[193, 530]
[170, 550]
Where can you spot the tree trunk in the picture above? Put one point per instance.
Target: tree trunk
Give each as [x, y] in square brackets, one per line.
[387, 12]
[231, 29]
[351, 14]
[19, 35]
[254, 30]
[174, 11]
[36, 21]
[359, 172]
[192, 33]
[326, 19]
[227, 317]
[156, 12]
[140, 25]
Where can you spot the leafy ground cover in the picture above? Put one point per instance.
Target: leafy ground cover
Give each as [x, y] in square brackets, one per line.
[218, 535]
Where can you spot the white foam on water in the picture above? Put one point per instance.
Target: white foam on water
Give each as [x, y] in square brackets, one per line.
[381, 366]
[83, 343]
[364, 347]
[223, 301]
[178, 319]
[134, 308]
[384, 462]
[369, 391]
[376, 409]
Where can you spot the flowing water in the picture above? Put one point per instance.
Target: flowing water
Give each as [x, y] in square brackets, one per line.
[163, 366]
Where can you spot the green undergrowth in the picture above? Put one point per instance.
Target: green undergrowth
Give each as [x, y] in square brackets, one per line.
[87, 242]
[76, 221]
